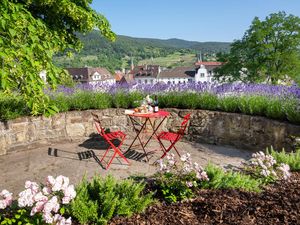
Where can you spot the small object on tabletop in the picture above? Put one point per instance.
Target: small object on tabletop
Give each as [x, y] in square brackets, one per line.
[156, 109]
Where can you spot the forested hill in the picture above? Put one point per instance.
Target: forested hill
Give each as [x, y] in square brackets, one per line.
[98, 51]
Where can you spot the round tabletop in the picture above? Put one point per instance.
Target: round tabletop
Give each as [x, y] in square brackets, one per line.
[160, 113]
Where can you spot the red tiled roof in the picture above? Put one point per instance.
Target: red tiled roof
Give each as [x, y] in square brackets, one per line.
[208, 63]
[119, 76]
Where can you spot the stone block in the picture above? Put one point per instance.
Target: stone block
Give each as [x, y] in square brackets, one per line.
[75, 130]
[58, 121]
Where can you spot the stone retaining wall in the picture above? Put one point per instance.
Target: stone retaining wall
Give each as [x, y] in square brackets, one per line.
[241, 131]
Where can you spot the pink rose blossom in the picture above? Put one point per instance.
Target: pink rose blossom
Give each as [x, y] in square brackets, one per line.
[7, 199]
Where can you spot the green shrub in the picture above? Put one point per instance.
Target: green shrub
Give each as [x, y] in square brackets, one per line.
[169, 100]
[14, 215]
[102, 198]
[208, 101]
[257, 105]
[229, 104]
[102, 101]
[173, 187]
[82, 100]
[83, 207]
[177, 180]
[292, 159]
[188, 101]
[121, 100]
[221, 179]
[264, 167]
[292, 110]
[62, 102]
[135, 99]
[12, 106]
[275, 109]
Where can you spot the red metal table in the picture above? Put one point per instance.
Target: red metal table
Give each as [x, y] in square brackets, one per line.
[139, 127]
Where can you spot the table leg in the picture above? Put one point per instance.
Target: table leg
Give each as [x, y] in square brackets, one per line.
[138, 135]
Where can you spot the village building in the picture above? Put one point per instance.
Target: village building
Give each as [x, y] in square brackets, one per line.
[91, 75]
[205, 71]
[146, 74]
[122, 78]
[177, 75]
[151, 74]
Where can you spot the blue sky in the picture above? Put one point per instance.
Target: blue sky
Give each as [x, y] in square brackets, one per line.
[193, 20]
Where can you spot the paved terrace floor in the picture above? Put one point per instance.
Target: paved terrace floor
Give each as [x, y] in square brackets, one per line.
[75, 160]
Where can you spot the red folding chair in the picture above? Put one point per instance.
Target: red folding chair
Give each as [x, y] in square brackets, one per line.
[173, 138]
[110, 137]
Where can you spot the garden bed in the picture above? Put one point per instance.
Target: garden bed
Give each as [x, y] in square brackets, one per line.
[277, 204]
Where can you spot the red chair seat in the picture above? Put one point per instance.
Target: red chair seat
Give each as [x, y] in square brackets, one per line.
[109, 137]
[169, 136]
[173, 137]
[115, 135]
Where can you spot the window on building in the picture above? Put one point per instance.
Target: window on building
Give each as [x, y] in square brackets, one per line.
[202, 75]
[146, 81]
[173, 81]
[151, 81]
[189, 80]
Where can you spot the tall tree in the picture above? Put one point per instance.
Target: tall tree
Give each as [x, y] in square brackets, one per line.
[31, 32]
[268, 51]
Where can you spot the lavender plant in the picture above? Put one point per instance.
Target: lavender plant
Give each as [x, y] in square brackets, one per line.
[274, 101]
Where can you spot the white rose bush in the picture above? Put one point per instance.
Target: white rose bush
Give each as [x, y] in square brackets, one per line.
[266, 168]
[39, 203]
[176, 180]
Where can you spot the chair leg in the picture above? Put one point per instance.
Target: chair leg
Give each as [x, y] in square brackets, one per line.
[170, 147]
[114, 155]
[176, 151]
[105, 153]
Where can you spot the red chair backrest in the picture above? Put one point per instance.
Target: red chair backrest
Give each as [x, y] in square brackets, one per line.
[97, 122]
[184, 124]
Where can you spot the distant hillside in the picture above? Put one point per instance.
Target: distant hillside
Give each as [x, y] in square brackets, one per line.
[98, 51]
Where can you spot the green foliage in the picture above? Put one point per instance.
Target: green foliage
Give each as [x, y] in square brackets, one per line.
[31, 33]
[169, 100]
[275, 109]
[229, 104]
[292, 110]
[83, 100]
[292, 159]
[188, 101]
[12, 106]
[62, 102]
[172, 187]
[19, 216]
[208, 101]
[97, 51]
[83, 207]
[253, 104]
[121, 100]
[102, 198]
[221, 179]
[268, 51]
